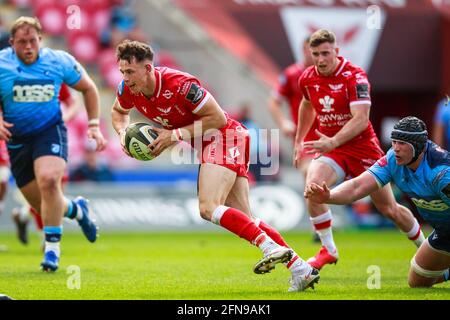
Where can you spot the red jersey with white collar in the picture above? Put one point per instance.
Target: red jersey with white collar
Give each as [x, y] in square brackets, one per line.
[332, 96]
[178, 96]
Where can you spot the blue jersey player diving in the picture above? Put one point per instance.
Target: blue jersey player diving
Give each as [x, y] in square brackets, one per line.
[32, 125]
[421, 169]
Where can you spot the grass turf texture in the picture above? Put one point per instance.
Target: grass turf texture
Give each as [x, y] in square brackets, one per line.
[191, 266]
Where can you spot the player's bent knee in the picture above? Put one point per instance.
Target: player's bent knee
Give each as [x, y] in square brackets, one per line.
[48, 182]
[419, 281]
[206, 210]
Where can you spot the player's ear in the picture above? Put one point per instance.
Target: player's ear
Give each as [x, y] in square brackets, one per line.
[148, 67]
[337, 50]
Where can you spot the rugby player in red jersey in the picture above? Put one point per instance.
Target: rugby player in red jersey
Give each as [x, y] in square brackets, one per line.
[337, 94]
[287, 89]
[186, 111]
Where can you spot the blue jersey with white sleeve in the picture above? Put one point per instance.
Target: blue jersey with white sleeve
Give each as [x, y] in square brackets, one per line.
[29, 93]
[428, 186]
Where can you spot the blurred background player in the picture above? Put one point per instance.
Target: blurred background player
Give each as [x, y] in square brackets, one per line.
[4, 178]
[30, 81]
[21, 215]
[338, 94]
[4, 174]
[420, 168]
[287, 89]
[441, 124]
[178, 102]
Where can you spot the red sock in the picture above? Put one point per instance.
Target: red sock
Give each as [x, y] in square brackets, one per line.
[37, 218]
[274, 234]
[240, 224]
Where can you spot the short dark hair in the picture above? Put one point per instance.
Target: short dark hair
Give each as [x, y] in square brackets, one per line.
[26, 21]
[128, 49]
[321, 36]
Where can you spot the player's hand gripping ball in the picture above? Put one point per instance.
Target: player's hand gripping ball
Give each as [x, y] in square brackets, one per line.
[137, 138]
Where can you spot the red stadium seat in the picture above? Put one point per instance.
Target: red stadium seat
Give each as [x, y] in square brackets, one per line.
[113, 76]
[106, 58]
[52, 18]
[100, 20]
[84, 46]
[166, 59]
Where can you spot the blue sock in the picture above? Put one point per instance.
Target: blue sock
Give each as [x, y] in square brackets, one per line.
[72, 209]
[446, 274]
[53, 234]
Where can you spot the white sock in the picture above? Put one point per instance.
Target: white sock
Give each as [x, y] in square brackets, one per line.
[24, 213]
[300, 266]
[413, 233]
[53, 246]
[265, 243]
[325, 234]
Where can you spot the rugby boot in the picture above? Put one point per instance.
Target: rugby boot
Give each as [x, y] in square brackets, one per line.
[268, 262]
[322, 258]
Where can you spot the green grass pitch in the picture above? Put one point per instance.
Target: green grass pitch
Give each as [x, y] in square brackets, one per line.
[210, 266]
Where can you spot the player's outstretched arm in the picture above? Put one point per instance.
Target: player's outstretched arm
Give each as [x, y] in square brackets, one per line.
[345, 193]
[355, 126]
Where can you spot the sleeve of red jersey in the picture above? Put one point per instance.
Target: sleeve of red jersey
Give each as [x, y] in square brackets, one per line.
[282, 88]
[64, 94]
[124, 97]
[359, 89]
[192, 95]
[302, 86]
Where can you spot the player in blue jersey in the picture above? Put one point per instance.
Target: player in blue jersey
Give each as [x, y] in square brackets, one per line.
[421, 169]
[31, 123]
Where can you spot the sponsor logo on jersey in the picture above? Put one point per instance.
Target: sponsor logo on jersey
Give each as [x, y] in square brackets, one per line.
[340, 118]
[362, 91]
[346, 73]
[336, 87]
[433, 205]
[195, 93]
[33, 90]
[327, 102]
[165, 111]
[179, 110]
[55, 148]
[167, 94]
[184, 88]
[234, 152]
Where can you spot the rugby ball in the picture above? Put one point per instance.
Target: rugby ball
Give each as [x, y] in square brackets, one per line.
[137, 138]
